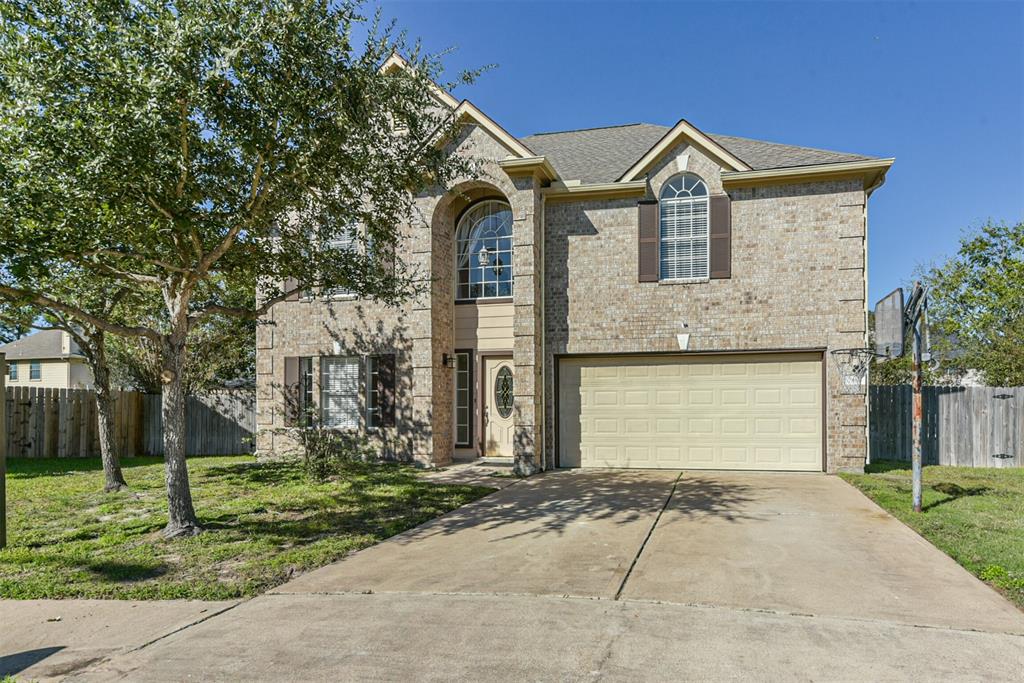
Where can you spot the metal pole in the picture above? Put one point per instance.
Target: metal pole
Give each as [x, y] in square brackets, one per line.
[3, 454]
[915, 456]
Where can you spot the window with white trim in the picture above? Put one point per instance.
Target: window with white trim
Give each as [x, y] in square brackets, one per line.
[35, 369]
[346, 241]
[483, 240]
[683, 229]
[339, 392]
[12, 371]
[373, 420]
[463, 399]
[306, 404]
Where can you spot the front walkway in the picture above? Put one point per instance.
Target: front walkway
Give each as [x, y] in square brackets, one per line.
[591, 575]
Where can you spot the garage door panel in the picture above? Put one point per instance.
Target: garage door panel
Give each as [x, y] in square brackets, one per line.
[735, 412]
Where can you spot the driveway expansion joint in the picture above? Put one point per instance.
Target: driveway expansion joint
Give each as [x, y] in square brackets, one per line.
[650, 532]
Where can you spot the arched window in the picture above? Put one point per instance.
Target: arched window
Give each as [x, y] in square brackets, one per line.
[683, 228]
[483, 242]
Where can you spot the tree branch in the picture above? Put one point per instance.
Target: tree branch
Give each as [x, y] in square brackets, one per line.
[137, 278]
[163, 211]
[179, 189]
[16, 295]
[122, 254]
[246, 313]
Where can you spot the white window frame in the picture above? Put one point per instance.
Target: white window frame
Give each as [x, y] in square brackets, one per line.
[344, 391]
[372, 393]
[12, 372]
[33, 367]
[464, 369]
[306, 389]
[684, 193]
[466, 250]
[347, 241]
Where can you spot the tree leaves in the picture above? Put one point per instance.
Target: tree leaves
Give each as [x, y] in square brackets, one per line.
[164, 143]
[977, 304]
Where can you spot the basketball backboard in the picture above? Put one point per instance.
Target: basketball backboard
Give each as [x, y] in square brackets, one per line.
[889, 325]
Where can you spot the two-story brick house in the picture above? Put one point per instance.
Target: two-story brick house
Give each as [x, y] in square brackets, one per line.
[630, 296]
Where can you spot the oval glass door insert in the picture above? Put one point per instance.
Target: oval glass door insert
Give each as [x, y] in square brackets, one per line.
[503, 391]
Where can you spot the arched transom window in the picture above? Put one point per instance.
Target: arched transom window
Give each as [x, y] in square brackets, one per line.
[683, 226]
[483, 241]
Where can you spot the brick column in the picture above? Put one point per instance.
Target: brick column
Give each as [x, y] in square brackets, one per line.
[527, 236]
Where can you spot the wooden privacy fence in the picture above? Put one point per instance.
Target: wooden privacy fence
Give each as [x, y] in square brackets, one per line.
[964, 426]
[218, 423]
[62, 423]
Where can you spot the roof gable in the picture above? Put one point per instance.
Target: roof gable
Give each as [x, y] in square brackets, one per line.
[684, 130]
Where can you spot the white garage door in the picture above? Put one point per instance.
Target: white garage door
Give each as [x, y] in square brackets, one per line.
[744, 412]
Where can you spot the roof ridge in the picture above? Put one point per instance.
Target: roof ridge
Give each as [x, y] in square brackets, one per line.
[581, 130]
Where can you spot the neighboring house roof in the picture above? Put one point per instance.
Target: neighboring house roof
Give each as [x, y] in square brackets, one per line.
[42, 345]
[602, 155]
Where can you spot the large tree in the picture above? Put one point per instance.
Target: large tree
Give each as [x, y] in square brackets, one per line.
[221, 351]
[175, 146]
[96, 297]
[976, 304]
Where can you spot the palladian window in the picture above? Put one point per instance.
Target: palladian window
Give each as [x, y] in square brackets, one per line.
[683, 226]
[483, 241]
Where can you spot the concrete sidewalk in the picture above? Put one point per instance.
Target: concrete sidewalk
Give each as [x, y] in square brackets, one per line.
[584, 575]
[46, 639]
[417, 637]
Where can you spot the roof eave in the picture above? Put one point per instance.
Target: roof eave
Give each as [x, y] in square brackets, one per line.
[529, 165]
[467, 109]
[871, 170]
[396, 61]
[559, 190]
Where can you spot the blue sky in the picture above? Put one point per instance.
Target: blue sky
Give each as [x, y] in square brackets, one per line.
[939, 86]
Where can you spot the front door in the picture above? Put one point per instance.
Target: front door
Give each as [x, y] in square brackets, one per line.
[498, 394]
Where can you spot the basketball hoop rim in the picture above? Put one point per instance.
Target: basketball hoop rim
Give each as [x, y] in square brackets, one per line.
[857, 351]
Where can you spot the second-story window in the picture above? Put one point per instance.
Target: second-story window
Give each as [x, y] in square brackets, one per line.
[35, 370]
[346, 241]
[12, 371]
[683, 227]
[483, 240]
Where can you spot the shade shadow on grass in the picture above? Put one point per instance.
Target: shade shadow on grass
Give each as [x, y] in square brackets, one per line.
[111, 570]
[264, 521]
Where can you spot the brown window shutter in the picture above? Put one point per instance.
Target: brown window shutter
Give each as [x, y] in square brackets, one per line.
[291, 283]
[721, 236]
[386, 388]
[647, 245]
[292, 397]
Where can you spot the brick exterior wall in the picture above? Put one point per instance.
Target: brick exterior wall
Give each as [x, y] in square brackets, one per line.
[797, 283]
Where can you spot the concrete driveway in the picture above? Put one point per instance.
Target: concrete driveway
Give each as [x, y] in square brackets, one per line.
[594, 575]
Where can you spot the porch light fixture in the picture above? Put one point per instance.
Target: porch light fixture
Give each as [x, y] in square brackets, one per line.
[448, 360]
[484, 256]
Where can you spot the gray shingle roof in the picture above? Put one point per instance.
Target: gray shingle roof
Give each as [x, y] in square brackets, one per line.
[601, 155]
[39, 345]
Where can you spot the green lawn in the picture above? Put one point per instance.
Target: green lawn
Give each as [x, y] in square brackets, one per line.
[265, 523]
[975, 515]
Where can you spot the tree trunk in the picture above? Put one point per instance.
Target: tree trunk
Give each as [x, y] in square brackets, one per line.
[181, 514]
[105, 417]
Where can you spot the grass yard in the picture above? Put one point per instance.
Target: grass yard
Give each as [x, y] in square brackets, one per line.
[974, 515]
[265, 522]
